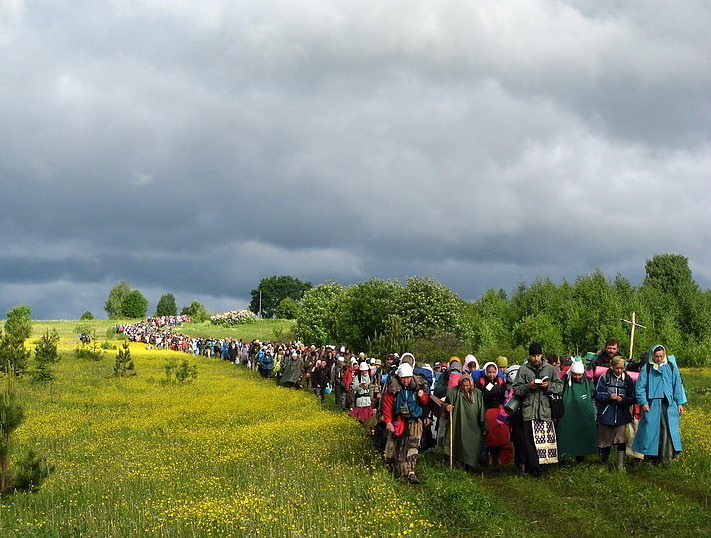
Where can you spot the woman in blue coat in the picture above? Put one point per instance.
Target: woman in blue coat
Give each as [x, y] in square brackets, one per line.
[660, 393]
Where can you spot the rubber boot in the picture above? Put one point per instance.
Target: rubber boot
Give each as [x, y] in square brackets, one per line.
[495, 462]
[604, 455]
[621, 457]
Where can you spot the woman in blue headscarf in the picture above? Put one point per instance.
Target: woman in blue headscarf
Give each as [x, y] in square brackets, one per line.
[661, 395]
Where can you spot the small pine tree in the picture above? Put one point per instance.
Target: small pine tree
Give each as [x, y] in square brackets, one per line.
[86, 316]
[182, 372]
[46, 350]
[13, 351]
[33, 469]
[31, 472]
[45, 354]
[124, 367]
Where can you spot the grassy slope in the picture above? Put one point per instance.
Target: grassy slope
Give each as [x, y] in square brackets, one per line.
[234, 455]
[265, 329]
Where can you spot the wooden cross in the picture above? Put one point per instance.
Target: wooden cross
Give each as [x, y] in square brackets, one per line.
[634, 324]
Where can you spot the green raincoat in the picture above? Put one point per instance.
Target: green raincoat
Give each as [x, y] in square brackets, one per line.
[576, 430]
[469, 420]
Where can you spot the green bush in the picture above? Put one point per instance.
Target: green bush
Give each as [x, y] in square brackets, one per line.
[196, 311]
[92, 350]
[179, 372]
[233, 318]
[32, 470]
[287, 309]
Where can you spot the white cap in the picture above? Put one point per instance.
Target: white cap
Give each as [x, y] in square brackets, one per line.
[363, 367]
[577, 367]
[404, 370]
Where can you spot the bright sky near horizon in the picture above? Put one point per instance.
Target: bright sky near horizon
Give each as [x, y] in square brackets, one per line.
[195, 147]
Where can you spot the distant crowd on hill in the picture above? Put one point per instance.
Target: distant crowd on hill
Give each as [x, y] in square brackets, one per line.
[547, 411]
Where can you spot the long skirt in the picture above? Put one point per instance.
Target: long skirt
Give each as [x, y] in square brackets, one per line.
[497, 435]
[666, 446]
[361, 413]
[498, 438]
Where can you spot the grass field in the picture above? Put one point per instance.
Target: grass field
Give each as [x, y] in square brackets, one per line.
[263, 329]
[234, 455]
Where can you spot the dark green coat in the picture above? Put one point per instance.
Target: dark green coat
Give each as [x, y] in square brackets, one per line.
[469, 420]
[293, 371]
[576, 430]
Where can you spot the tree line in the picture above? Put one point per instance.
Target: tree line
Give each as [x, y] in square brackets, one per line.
[126, 303]
[569, 318]
[426, 317]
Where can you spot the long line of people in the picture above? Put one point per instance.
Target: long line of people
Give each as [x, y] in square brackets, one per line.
[546, 411]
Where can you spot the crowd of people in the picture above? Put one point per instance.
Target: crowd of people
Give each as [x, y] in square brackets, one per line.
[546, 411]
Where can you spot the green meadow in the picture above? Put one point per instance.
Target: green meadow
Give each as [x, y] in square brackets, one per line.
[232, 454]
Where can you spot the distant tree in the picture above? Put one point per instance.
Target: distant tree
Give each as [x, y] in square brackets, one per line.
[273, 290]
[316, 321]
[594, 314]
[393, 337]
[669, 273]
[287, 309]
[166, 306]
[86, 316]
[134, 305]
[539, 328]
[114, 303]
[427, 307]
[18, 321]
[196, 311]
[363, 311]
[490, 327]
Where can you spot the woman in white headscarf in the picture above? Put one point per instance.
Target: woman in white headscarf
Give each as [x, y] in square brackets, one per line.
[576, 428]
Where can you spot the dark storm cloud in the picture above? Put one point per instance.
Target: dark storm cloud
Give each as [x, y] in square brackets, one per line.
[195, 148]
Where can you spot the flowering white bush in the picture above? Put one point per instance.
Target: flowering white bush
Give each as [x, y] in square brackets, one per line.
[234, 317]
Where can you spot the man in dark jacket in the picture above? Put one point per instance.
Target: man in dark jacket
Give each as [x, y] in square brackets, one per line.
[604, 356]
[320, 378]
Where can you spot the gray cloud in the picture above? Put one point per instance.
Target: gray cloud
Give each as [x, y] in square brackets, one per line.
[196, 148]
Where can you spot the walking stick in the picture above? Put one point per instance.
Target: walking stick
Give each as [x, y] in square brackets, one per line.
[451, 440]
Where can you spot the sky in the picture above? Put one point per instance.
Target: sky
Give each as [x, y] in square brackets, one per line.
[194, 147]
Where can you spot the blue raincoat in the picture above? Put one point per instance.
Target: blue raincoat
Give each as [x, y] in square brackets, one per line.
[653, 386]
